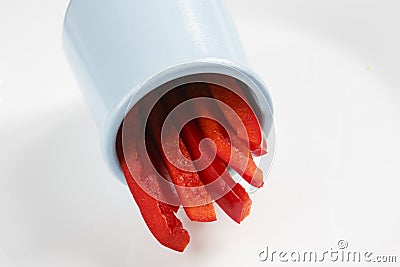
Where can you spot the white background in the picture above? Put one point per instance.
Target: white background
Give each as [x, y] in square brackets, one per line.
[333, 70]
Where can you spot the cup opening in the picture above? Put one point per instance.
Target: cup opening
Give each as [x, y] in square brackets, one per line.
[206, 72]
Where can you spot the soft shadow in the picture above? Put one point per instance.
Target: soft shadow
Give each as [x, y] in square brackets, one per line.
[68, 210]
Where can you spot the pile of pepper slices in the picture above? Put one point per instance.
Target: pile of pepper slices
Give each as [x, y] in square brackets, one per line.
[193, 187]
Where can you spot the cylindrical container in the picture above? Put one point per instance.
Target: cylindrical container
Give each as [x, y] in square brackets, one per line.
[120, 50]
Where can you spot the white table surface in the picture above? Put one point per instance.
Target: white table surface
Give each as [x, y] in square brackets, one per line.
[333, 70]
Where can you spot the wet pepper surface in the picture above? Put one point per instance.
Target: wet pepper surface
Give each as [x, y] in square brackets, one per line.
[160, 186]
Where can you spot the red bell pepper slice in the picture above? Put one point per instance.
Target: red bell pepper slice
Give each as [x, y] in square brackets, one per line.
[236, 202]
[170, 194]
[232, 152]
[229, 195]
[195, 200]
[159, 217]
[235, 100]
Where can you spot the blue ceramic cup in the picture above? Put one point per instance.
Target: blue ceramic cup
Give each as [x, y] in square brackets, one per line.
[120, 50]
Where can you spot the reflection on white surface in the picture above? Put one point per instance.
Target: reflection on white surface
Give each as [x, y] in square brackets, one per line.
[332, 70]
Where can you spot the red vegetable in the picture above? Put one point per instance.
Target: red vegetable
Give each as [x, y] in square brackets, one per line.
[195, 199]
[240, 159]
[159, 217]
[229, 195]
[197, 176]
[170, 194]
[235, 202]
[252, 131]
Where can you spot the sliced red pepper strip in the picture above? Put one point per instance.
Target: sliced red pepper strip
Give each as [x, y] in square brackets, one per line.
[191, 189]
[235, 201]
[159, 217]
[240, 159]
[170, 194]
[252, 131]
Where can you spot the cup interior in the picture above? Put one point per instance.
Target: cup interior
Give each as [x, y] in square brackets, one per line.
[249, 87]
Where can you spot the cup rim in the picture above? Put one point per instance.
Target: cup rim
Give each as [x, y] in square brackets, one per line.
[210, 65]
